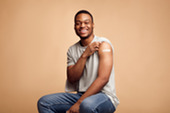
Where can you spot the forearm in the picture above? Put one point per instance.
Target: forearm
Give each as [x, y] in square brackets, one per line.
[75, 72]
[96, 87]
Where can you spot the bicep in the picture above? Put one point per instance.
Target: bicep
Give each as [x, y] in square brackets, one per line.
[105, 60]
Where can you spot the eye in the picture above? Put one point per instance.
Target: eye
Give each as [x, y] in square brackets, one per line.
[86, 23]
[78, 23]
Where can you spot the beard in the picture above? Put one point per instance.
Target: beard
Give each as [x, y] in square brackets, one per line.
[84, 37]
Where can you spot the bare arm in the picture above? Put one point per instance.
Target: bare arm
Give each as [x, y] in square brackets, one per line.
[74, 72]
[104, 70]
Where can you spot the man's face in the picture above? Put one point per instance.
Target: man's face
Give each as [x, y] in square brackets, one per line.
[84, 26]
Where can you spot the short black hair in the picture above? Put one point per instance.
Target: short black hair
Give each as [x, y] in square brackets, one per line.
[83, 11]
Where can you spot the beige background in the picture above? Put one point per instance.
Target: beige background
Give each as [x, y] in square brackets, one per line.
[35, 36]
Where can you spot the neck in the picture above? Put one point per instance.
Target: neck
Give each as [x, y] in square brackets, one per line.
[87, 41]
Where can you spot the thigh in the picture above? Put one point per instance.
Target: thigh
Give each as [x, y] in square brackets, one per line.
[59, 102]
[98, 103]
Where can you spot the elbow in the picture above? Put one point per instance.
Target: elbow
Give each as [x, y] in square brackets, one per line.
[71, 79]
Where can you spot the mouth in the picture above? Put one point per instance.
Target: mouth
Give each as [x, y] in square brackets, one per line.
[83, 31]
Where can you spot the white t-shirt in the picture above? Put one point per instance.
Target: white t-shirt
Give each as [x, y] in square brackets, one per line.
[90, 71]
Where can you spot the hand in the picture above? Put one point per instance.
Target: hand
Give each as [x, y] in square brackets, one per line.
[91, 49]
[74, 108]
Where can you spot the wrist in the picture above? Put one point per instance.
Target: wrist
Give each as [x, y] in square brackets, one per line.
[84, 56]
[79, 101]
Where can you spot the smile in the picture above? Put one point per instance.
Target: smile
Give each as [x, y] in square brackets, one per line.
[83, 31]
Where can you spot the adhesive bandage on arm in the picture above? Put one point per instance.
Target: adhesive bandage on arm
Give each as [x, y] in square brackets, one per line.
[106, 50]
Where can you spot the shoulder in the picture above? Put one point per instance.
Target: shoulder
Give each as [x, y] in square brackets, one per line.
[72, 47]
[105, 43]
[102, 39]
[105, 47]
[105, 50]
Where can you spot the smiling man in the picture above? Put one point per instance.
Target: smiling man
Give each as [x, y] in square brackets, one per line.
[90, 73]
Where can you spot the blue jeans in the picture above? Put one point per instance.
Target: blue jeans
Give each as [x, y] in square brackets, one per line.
[61, 102]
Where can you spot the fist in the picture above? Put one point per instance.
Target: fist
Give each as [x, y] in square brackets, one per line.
[91, 49]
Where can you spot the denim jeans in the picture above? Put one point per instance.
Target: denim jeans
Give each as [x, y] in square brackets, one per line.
[61, 102]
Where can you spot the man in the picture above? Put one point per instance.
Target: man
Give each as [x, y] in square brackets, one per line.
[90, 72]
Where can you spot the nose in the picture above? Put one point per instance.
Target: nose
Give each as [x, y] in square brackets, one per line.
[82, 25]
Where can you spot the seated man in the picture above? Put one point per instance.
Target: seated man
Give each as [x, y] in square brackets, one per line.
[90, 73]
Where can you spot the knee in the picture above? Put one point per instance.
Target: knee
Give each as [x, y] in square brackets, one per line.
[86, 107]
[42, 102]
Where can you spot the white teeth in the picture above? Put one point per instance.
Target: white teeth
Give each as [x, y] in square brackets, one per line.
[83, 31]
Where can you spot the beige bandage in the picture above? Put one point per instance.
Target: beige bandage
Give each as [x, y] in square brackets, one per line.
[106, 50]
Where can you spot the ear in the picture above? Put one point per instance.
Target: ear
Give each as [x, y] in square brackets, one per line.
[74, 27]
[93, 25]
